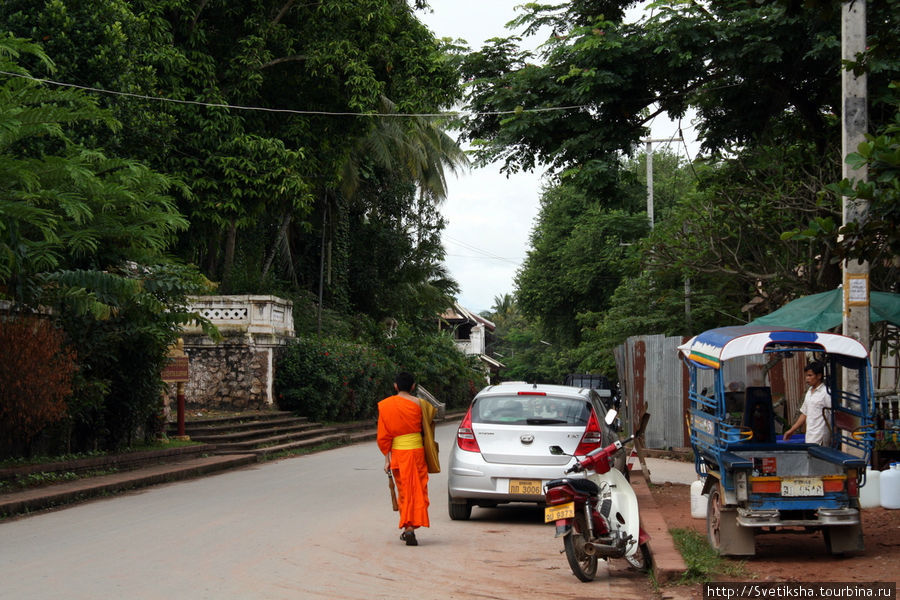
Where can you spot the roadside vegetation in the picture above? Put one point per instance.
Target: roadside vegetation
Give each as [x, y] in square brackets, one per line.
[120, 201]
[703, 563]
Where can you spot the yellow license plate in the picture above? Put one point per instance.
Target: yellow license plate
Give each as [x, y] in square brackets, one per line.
[562, 511]
[529, 487]
[802, 486]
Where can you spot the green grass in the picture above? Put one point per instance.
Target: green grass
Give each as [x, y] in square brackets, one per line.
[47, 478]
[703, 563]
[36, 460]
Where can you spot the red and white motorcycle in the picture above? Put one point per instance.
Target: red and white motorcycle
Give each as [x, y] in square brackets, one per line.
[597, 516]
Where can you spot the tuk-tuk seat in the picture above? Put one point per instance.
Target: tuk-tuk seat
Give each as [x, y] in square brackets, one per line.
[759, 415]
[772, 447]
[730, 460]
[837, 457]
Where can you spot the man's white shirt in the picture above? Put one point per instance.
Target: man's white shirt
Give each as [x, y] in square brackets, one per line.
[815, 400]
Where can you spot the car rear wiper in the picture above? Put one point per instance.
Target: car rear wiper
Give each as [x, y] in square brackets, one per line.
[538, 421]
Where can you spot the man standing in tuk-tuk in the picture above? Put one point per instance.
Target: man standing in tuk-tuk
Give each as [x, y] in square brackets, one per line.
[811, 413]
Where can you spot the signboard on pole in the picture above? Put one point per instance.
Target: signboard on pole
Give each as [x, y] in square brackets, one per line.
[177, 370]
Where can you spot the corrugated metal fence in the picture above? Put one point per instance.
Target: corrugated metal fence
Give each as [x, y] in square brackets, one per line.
[652, 378]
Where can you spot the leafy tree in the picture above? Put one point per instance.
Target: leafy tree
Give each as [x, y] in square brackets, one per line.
[323, 57]
[732, 226]
[764, 81]
[576, 260]
[87, 236]
[875, 240]
[395, 266]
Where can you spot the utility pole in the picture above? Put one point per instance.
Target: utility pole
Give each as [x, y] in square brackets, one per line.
[854, 121]
[649, 146]
[687, 280]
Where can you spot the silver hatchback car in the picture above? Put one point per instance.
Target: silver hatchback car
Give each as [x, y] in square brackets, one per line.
[502, 449]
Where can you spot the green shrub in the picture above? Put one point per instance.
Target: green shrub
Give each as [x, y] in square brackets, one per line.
[329, 379]
[433, 359]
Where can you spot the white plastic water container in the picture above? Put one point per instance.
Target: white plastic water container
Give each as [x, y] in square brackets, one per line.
[870, 494]
[698, 500]
[890, 486]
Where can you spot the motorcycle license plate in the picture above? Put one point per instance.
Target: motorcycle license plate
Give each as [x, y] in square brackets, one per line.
[529, 487]
[802, 486]
[562, 511]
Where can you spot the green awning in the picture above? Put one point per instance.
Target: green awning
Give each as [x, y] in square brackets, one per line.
[821, 312]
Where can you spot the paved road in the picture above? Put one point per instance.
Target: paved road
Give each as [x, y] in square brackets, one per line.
[318, 526]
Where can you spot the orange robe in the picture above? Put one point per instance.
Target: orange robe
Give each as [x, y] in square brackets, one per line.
[399, 416]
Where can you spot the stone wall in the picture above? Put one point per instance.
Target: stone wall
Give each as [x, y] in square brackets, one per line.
[237, 373]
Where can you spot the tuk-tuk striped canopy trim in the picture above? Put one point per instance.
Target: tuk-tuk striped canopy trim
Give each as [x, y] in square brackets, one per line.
[712, 347]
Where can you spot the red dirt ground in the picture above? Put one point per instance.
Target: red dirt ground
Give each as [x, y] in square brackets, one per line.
[799, 557]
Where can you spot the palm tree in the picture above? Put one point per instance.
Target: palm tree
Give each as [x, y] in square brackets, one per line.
[410, 148]
[414, 148]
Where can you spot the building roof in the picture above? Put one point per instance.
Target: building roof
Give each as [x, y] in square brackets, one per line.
[458, 313]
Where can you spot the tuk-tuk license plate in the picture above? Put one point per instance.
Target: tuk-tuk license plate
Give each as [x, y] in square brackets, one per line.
[562, 511]
[526, 487]
[802, 486]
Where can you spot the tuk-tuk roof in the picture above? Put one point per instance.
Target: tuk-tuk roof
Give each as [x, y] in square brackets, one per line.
[712, 347]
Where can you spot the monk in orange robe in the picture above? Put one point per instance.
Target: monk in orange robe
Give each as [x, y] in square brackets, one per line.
[400, 440]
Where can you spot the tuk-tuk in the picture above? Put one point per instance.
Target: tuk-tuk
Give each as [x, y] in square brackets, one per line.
[756, 482]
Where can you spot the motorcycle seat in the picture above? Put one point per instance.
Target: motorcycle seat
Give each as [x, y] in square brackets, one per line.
[585, 486]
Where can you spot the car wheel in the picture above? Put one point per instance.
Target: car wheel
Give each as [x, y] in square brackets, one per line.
[459, 511]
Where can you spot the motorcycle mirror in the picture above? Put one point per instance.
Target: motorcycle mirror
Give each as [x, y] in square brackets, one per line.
[556, 451]
[611, 416]
[642, 426]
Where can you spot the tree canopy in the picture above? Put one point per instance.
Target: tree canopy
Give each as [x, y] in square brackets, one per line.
[753, 222]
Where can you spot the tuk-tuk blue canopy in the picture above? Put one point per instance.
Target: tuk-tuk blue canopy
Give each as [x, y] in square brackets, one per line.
[712, 347]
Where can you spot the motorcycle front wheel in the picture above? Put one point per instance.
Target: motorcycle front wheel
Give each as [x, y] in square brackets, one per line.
[583, 566]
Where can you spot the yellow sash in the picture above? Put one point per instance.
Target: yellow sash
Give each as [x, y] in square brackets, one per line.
[408, 441]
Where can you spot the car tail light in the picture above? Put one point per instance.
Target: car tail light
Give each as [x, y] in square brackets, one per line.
[465, 437]
[592, 438]
[558, 495]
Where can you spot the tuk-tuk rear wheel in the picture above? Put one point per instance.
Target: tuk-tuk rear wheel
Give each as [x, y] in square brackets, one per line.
[714, 519]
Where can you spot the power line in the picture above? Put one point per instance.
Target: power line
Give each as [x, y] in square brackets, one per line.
[484, 253]
[688, 153]
[511, 260]
[451, 113]
[293, 111]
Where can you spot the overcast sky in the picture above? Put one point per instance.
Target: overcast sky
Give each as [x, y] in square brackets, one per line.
[489, 216]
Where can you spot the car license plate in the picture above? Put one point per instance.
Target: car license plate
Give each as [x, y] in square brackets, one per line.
[802, 486]
[522, 487]
[562, 511]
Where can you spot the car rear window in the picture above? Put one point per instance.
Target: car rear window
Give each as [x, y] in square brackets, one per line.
[531, 410]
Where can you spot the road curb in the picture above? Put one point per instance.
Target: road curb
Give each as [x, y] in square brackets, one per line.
[668, 564]
[31, 500]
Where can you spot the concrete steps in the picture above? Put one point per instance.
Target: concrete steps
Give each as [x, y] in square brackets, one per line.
[265, 434]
